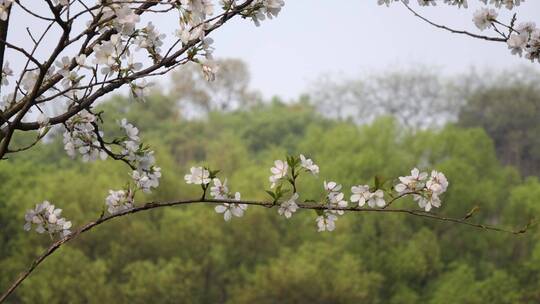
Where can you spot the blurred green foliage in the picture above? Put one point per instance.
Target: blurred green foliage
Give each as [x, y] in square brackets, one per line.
[189, 254]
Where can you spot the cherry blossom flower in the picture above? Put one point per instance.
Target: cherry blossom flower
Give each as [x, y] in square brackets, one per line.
[119, 200]
[326, 222]
[288, 207]
[80, 135]
[361, 194]
[43, 122]
[47, 218]
[509, 4]
[29, 80]
[6, 71]
[231, 209]
[219, 190]
[376, 199]
[335, 200]
[412, 182]
[126, 19]
[198, 176]
[131, 131]
[516, 43]
[437, 183]
[484, 17]
[331, 186]
[279, 171]
[458, 3]
[147, 179]
[81, 60]
[308, 164]
[427, 201]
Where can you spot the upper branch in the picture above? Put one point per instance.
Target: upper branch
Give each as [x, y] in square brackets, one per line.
[451, 30]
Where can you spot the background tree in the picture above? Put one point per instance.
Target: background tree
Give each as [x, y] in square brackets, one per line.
[417, 97]
[229, 91]
[509, 111]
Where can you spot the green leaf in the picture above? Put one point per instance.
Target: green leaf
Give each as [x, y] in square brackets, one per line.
[272, 194]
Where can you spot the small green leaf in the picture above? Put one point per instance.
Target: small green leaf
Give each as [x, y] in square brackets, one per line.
[272, 194]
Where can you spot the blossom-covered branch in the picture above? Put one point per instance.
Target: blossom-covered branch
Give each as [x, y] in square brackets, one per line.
[426, 191]
[286, 205]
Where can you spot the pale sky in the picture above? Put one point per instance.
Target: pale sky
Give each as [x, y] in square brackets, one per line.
[347, 38]
[354, 37]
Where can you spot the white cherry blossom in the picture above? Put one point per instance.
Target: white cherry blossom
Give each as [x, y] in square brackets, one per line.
[288, 207]
[6, 71]
[326, 222]
[147, 179]
[198, 176]
[231, 209]
[308, 164]
[335, 200]
[483, 18]
[331, 186]
[361, 194]
[428, 201]
[437, 183]
[131, 131]
[219, 190]
[279, 171]
[47, 218]
[376, 199]
[118, 201]
[411, 183]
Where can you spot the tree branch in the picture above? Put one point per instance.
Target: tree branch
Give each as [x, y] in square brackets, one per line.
[153, 205]
[462, 32]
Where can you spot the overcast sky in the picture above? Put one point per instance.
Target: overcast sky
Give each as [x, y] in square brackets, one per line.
[347, 38]
[353, 37]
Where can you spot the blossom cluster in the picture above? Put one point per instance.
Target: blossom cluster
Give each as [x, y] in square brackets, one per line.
[47, 218]
[334, 199]
[219, 191]
[119, 200]
[81, 136]
[426, 191]
[146, 175]
[526, 39]
[484, 18]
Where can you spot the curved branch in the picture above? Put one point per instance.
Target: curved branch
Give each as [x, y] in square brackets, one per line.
[451, 30]
[152, 205]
